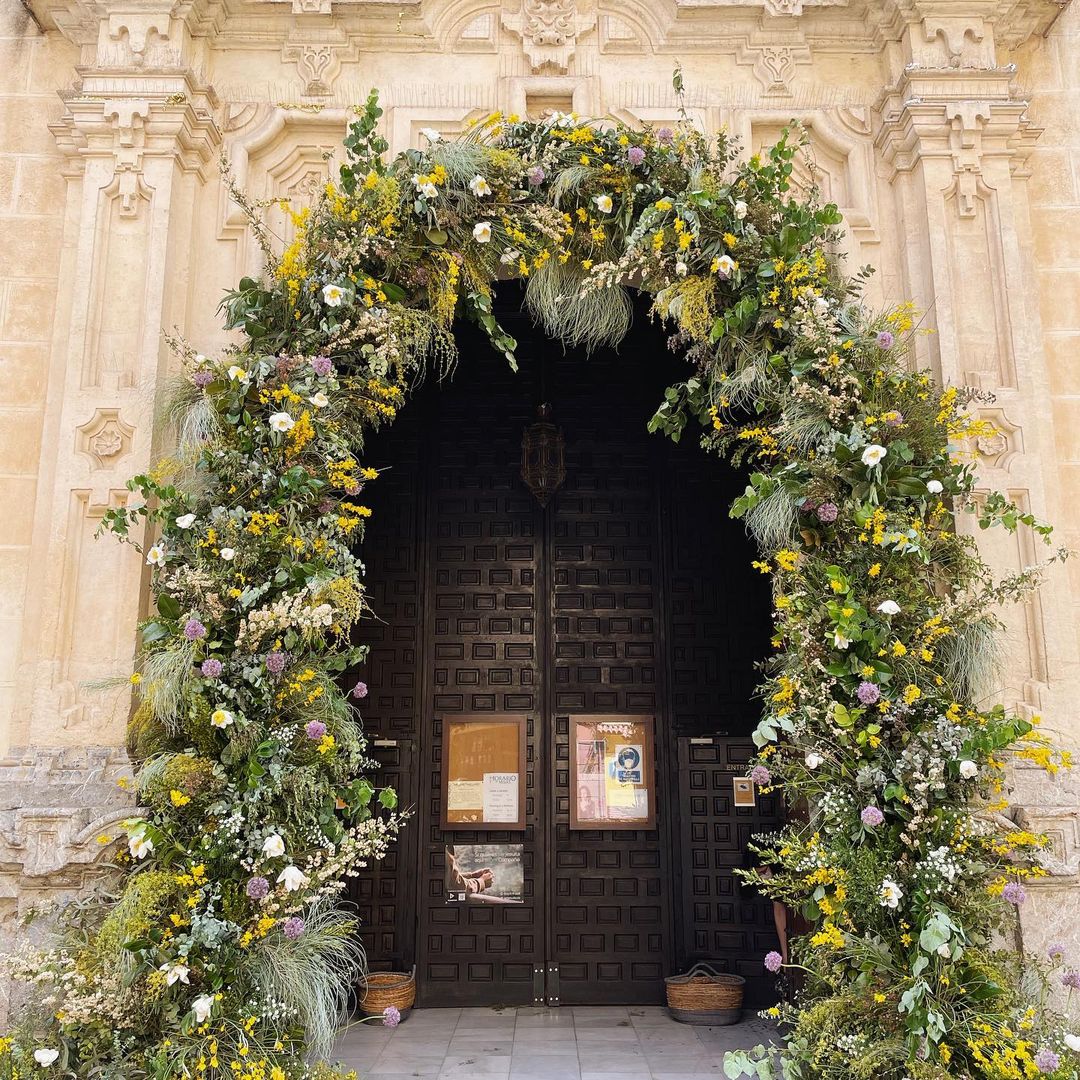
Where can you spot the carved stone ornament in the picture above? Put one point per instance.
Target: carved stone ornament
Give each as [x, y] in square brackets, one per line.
[549, 30]
[104, 438]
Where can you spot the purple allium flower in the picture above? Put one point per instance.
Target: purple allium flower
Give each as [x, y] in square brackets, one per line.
[1046, 1061]
[326, 506]
[316, 729]
[760, 775]
[211, 668]
[665, 135]
[895, 419]
[1071, 979]
[1014, 893]
[391, 1017]
[360, 690]
[868, 693]
[885, 339]
[828, 512]
[1056, 950]
[193, 630]
[536, 175]
[202, 379]
[635, 155]
[257, 888]
[871, 817]
[353, 489]
[293, 927]
[323, 365]
[275, 662]
[773, 961]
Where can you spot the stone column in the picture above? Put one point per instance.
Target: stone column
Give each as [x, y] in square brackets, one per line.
[955, 137]
[138, 138]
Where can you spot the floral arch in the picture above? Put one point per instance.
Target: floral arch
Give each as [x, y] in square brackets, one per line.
[223, 951]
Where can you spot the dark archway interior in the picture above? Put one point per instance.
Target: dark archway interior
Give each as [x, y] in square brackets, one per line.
[630, 592]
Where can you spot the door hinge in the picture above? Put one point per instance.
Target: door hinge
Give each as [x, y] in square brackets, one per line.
[553, 984]
[538, 984]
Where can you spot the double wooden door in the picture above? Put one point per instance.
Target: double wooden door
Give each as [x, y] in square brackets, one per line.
[489, 603]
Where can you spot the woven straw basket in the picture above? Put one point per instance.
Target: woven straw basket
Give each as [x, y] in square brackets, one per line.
[381, 989]
[705, 996]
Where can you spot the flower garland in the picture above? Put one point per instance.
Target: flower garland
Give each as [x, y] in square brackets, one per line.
[223, 952]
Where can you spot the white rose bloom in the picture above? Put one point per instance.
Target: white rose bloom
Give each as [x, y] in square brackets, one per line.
[935, 487]
[140, 845]
[428, 190]
[479, 186]
[282, 422]
[292, 878]
[228, 554]
[202, 1007]
[873, 454]
[889, 607]
[175, 973]
[156, 555]
[319, 400]
[890, 894]
[273, 846]
[221, 718]
[681, 268]
[725, 266]
[431, 134]
[813, 760]
[237, 373]
[333, 295]
[968, 769]
[185, 521]
[46, 1056]
[482, 232]
[603, 203]
[1073, 1043]
[740, 209]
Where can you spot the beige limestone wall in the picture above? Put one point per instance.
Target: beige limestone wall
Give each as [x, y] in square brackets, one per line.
[948, 134]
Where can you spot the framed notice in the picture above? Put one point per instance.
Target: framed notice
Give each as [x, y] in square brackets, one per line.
[612, 772]
[485, 874]
[483, 775]
[744, 791]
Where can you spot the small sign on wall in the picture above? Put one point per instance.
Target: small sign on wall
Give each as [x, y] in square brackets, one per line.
[744, 791]
[483, 773]
[485, 874]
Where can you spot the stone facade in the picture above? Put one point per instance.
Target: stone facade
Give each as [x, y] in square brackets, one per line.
[948, 132]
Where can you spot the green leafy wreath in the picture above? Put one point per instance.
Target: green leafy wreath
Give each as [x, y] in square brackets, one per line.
[224, 951]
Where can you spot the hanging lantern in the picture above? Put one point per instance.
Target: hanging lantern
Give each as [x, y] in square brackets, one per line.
[543, 458]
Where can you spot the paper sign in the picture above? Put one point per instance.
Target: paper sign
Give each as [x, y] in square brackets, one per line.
[465, 795]
[500, 796]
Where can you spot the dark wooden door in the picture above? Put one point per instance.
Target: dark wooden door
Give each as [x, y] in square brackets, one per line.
[611, 599]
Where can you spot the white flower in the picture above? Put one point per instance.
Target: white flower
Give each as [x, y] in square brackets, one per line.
[482, 232]
[292, 878]
[740, 209]
[175, 973]
[968, 769]
[821, 307]
[873, 454]
[140, 845]
[725, 265]
[237, 373]
[1073, 1043]
[479, 186]
[202, 1007]
[431, 134]
[840, 641]
[424, 186]
[890, 894]
[319, 400]
[889, 607]
[46, 1056]
[333, 295]
[935, 487]
[273, 846]
[201, 360]
[156, 555]
[221, 718]
[185, 521]
[282, 422]
[509, 256]
[681, 268]
[228, 554]
[813, 760]
[603, 203]
[944, 950]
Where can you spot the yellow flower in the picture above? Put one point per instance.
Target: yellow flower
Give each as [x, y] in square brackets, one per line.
[136, 678]
[786, 559]
[874, 570]
[911, 694]
[178, 798]
[879, 998]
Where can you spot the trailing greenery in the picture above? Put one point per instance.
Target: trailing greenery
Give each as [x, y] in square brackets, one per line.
[224, 953]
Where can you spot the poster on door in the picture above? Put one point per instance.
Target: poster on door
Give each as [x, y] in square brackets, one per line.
[485, 874]
[612, 769]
